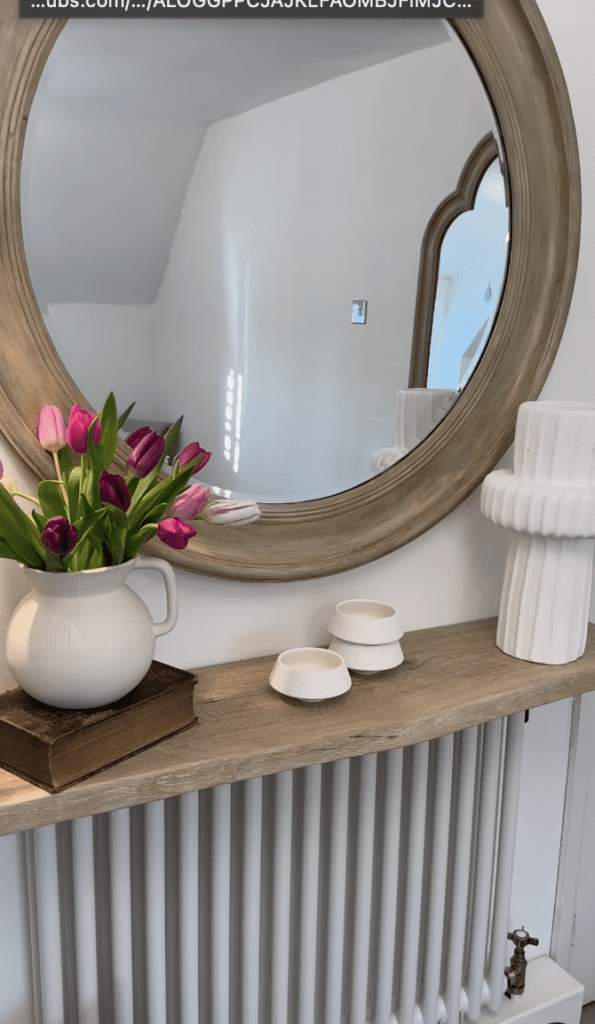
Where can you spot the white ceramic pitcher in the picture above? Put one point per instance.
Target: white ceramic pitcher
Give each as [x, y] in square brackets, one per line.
[85, 639]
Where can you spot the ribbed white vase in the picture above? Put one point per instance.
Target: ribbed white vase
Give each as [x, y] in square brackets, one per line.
[548, 502]
[85, 639]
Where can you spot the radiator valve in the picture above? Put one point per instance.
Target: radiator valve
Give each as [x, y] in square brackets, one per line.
[518, 964]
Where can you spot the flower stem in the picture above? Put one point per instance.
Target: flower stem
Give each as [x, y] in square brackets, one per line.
[61, 479]
[28, 497]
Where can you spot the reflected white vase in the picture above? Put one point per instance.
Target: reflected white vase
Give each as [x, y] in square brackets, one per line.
[548, 502]
[85, 639]
[419, 411]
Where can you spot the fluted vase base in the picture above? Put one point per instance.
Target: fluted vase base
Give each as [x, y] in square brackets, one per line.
[544, 608]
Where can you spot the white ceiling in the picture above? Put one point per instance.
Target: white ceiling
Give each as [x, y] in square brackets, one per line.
[119, 119]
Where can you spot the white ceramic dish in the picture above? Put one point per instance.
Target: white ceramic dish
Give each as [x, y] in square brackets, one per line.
[366, 622]
[310, 674]
[368, 658]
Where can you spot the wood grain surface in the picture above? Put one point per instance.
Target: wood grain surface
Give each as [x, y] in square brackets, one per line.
[54, 747]
[452, 677]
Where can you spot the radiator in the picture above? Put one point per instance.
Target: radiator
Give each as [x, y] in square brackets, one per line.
[366, 891]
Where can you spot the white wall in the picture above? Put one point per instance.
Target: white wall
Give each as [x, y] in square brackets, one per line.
[451, 574]
[315, 199]
[573, 376]
[92, 338]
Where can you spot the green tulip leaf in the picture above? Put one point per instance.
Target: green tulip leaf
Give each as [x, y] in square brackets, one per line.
[92, 466]
[54, 563]
[108, 418]
[39, 520]
[19, 531]
[140, 489]
[51, 499]
[6, 551]
[66, 464]
[162, 492]
[73, 489]
[125, 416]
[135, 541]
[117, 516]
[97, 559]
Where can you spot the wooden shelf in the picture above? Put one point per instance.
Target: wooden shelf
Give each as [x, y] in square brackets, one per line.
[452, 677]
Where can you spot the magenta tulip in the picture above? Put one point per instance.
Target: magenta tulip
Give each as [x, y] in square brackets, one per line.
[146, 454]
[175, 533]
[59, 536]
[78, 428]
[113, 490]
[190, 503]
[51, 430]
[190, 452]
[133, 439]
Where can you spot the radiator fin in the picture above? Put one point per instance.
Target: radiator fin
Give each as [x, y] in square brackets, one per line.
[374, 890]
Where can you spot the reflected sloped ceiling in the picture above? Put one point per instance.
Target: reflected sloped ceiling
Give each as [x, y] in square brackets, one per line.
[119, 118]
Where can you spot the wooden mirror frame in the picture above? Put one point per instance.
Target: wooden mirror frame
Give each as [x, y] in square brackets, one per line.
[516, 59]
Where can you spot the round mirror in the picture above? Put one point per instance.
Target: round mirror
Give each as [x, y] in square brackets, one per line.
[308, 322]
[224, 220]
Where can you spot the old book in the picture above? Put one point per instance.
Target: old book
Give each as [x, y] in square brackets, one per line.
[53, 748]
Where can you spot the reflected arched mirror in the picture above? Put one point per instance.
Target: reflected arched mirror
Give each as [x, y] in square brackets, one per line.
[461, 279]
[202, 204]
[470, 279]
[239, 241]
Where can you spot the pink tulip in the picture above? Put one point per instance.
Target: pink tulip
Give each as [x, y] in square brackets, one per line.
[190, 503]
[175, 533]
[133, 439]
[190, 452]
[226, 512]
[1, 470]
[146, 454]
[78, 428]
[59, 536]
[51, 430]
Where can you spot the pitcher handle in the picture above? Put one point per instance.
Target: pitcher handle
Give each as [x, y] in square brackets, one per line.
[171, 590]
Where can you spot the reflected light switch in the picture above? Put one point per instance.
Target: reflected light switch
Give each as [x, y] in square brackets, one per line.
[359, 309]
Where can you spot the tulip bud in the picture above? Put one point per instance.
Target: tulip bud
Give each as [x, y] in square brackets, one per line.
[191, 451]
[146, 454]
[230, 513]
[190, 503]
[133, 439]
[113, 490]
[175, 533]
[59, 536]
[78, 428]
[51, 430]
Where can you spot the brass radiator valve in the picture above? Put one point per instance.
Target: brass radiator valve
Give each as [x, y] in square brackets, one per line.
[518, 964]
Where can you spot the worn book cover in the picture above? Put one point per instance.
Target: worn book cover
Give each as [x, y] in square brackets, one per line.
[55, 747]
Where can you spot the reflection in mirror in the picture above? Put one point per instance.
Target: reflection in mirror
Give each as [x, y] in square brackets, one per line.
[470, 277]
[462, 269]
[204, 202]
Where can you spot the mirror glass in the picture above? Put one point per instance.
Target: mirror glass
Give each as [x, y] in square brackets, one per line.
[225, 220]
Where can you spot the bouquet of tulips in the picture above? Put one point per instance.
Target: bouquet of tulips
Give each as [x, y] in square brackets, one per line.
[90, 517]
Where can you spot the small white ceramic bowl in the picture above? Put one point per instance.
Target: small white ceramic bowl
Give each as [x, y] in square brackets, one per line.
[368, 658]
[365, 622]
[310, 674]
